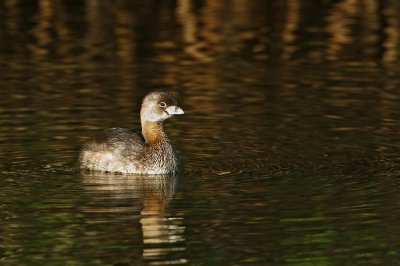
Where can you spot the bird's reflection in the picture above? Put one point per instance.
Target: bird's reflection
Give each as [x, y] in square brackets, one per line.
[162, 233]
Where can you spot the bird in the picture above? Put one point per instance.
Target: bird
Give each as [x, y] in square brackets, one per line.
[145, 151]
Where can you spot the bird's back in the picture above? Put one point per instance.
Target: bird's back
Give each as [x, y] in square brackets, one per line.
[112, 150]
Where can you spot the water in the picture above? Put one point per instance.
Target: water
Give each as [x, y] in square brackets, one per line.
[289, 139]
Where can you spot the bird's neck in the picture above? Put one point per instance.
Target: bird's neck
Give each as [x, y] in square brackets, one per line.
[153, 132]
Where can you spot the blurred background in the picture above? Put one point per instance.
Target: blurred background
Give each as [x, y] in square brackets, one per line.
[127, 32]
[290, 138]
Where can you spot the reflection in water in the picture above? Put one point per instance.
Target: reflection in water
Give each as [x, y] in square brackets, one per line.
[288, 31]
[189, 30]
[162, 233]
[338, 22]
[129, 31]
[297, 142]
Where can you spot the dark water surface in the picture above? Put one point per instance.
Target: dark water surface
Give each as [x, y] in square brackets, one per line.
[290, 138]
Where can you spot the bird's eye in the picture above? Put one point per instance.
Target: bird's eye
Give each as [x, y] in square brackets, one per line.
[163, 104]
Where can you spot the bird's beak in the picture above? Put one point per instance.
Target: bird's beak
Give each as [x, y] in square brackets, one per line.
[174, 110]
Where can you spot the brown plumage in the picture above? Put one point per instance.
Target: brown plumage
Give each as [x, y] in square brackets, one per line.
[125, 151]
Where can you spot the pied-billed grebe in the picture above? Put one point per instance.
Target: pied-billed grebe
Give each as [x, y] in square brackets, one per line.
[125, 151]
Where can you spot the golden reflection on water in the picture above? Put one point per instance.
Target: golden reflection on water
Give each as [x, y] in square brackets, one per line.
[189, 30]
[338, 22]
[391, 51]
[288, 33]
[239, 116]
[162, 234]
[127, 32]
